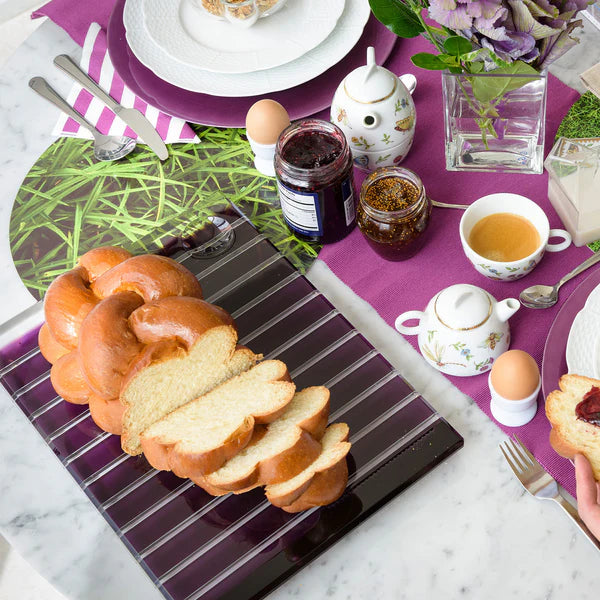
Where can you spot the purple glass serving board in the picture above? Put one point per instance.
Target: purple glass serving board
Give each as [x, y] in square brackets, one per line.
[554, 361]
[193, 545]
[300, 101]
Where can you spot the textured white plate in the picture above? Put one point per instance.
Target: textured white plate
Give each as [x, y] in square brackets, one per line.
[583, 343]
[342, 39]
[194, 38]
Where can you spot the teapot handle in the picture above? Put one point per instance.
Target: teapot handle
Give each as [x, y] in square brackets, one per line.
[409, 81]
[409, 329]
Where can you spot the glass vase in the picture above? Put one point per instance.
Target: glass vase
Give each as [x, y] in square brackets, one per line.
[494, 122]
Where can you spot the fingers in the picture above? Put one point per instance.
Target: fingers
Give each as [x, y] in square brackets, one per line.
[588, 494]
[587, 491]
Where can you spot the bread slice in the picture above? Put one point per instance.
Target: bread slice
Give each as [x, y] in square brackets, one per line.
[320, 483]
[570, 435]
[165, 376]
[286, 447]
[198, 438]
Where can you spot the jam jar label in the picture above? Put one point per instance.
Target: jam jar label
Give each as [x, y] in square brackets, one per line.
[348, 195]
[301, 210]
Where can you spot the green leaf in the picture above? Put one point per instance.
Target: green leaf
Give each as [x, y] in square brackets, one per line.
[488, 88]
[449, 59]
[428, 61]
[397, 17]
[457, 45]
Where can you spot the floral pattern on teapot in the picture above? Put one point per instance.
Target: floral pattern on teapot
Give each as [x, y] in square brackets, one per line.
[375, 111]
[462, 330]
[461, 354]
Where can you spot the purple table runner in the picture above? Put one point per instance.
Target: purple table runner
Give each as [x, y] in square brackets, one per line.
[393, 288]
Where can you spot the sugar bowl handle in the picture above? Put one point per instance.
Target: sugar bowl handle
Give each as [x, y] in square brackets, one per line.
[409, 329]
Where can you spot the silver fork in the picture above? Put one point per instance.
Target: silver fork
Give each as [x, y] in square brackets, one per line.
[538, 482]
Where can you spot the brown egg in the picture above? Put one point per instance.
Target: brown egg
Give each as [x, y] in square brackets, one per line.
[265, 120]
[515, 375]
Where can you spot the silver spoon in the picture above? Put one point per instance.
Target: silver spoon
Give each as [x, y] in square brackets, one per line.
[545, 296]
[446, 205]
[106, 147]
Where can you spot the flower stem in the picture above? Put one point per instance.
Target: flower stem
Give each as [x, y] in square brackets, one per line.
[429, 31]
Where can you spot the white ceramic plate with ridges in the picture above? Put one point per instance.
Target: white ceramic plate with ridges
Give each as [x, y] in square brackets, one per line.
[583, 343]
[342, 39]
[192, 37]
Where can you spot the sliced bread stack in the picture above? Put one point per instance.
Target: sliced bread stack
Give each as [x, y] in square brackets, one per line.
[161, 367]
[300, 461]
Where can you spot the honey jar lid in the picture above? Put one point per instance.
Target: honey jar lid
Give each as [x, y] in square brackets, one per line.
[370, 83]
[463, 306]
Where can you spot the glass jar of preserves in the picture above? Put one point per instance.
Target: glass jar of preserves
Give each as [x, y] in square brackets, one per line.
[313, 166]
[393, 212]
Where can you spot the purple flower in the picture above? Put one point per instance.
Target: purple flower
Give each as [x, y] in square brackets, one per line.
[533, 31]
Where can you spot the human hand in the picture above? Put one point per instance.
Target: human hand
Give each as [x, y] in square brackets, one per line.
[588, 495]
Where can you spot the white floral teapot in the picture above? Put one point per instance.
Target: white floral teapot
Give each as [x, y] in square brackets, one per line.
[463, 329]
[375, 111]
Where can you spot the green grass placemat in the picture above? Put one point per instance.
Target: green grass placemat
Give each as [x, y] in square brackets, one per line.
[69, 203]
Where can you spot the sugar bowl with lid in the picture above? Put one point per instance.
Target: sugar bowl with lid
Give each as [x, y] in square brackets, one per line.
[462, 330]
[374, 109]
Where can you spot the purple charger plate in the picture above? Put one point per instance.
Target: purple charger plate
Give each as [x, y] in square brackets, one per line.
[554, 361]
[300, 101]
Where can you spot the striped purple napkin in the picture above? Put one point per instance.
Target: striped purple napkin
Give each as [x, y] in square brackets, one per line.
[96, 61]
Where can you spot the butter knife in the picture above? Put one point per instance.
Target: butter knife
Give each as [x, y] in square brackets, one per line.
[132, 117]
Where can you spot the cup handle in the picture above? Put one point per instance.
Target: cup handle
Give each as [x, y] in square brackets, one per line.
[409, 329]
[561, 245]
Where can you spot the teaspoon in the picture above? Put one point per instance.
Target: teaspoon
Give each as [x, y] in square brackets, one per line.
[446, 205]
[545, 296]
[106, 147]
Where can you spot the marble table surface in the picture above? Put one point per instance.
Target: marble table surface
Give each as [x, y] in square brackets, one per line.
[466, 530]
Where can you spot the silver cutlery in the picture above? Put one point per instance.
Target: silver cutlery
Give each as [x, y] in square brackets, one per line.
[447, 205]
[538, 482]
[106, 147]
[132, 117]
[545, 296]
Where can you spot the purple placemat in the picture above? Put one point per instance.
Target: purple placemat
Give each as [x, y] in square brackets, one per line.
[300, 101]
[393, 288]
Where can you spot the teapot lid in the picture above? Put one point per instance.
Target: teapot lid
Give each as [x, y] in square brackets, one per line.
[370, 83]
[463, 306]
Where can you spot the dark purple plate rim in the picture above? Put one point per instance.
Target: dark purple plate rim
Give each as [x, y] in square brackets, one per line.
[554, 361]
[300, 101]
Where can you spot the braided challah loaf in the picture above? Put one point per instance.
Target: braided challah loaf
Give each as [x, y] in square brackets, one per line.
[132, 337]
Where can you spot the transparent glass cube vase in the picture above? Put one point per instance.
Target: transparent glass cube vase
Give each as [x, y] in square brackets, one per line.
[494, 122]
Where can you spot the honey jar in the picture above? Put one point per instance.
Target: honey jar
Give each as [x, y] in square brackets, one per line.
[393, 212]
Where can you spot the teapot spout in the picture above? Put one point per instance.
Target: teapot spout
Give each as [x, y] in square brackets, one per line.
[507, 308]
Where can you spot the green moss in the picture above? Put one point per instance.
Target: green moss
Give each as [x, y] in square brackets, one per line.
[583, 118]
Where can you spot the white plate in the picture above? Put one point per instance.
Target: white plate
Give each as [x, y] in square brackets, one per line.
[194, 38]
[583, 343]
[342, 39]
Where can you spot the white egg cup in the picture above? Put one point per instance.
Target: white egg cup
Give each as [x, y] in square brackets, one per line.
[513, 413]
[264, 157]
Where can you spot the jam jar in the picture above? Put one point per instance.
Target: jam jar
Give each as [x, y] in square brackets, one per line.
[393, 212]
[313, 166]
